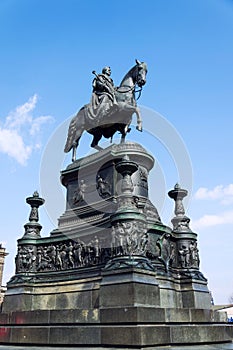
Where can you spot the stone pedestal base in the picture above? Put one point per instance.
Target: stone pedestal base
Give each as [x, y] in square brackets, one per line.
[121, 308]
[112, 275]
[122, 328]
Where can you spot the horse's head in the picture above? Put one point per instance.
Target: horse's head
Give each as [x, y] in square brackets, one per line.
[140, 73]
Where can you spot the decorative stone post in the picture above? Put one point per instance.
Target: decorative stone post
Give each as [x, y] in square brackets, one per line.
[186, 256]
[129, 228]
[180, 221]
[186, 239]
[27, 251]
[129, 271]
[33, 228]
[3, 254]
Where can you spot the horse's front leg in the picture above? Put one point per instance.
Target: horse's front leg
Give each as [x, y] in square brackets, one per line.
[139, 119]
[97, 134]
[124, 131]
[123, 134]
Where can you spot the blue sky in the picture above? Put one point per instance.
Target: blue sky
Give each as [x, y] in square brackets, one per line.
[48, 51]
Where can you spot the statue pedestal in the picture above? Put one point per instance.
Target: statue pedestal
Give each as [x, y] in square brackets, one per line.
[135, 287]
[112, 274]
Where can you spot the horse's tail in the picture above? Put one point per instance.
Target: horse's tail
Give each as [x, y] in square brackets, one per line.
[71, 135]
[76, 127]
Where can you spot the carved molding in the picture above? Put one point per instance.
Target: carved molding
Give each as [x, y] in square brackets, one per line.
[61, 256]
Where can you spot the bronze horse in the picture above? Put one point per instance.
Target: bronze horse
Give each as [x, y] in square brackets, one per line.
[117, 119]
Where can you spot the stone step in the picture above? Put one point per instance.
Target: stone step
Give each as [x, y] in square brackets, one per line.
[113, 315]
[122, 336]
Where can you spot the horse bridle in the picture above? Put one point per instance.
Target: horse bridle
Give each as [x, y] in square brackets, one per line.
[131, 89]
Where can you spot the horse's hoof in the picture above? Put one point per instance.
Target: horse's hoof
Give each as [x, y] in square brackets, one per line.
[139, 128]
[98, 148]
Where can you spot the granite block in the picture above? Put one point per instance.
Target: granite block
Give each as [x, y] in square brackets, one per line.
[30, 335]
[75, 335]
[5, 334]
[74, 316]
[132, 315]
[195, 334]
[18, 302]
[129, 336]
[30, 317]
[129, 294]
[4, 318]
[43, 302]
[177, 315]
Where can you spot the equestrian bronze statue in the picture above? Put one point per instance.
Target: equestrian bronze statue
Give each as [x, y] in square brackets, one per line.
[110, 110]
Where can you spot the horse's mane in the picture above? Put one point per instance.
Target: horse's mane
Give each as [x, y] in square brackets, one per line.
[129, 74]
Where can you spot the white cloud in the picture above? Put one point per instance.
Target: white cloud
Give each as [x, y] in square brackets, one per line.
[17, 135]
[213, 220]
[222, 195]
[12, 144]
[21, 115]
[219, 192]
[37, 122]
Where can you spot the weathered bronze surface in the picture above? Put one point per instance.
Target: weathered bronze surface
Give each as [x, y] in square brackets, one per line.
[110, 110]
[111, 274]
